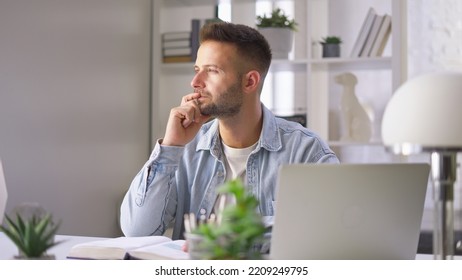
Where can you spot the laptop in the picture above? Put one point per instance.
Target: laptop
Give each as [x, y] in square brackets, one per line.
[3, 193]
[349, 211]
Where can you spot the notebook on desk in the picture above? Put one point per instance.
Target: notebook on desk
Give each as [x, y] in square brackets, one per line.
[349, 211]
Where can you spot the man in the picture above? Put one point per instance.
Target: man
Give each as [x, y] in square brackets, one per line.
[198, 154]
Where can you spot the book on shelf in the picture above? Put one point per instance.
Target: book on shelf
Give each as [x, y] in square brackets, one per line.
[182, 46]
[177, 51]
[363, 33]
[130, 248]
[177, 59]
[183, 43]
[176, 47]
[176, 35]
[382, 37]
[378, 19]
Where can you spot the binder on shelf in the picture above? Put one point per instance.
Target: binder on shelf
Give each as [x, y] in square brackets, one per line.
[196, 25]
[382, 37]
[363, 33]
[372, 35]
[195, 30]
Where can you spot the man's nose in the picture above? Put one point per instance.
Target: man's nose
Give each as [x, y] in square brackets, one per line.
[197, 80]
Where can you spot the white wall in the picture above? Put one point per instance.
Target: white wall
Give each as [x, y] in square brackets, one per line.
[74, 106]
[435, 44]
[435, 36]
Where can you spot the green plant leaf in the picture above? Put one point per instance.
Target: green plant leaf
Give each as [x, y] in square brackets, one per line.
[241, 227]
[277, 19]
[331, 40]
[32, 237]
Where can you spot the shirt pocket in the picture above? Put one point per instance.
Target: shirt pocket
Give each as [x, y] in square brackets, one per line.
[269, 208]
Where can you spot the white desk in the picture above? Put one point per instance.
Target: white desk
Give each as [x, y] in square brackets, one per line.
[8, 250]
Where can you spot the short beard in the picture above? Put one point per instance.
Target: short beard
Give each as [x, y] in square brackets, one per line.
[228, 103]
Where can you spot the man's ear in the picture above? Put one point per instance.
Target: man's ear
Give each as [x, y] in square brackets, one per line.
[251, 81]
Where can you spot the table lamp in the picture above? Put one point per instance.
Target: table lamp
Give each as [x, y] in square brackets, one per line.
[424, 115]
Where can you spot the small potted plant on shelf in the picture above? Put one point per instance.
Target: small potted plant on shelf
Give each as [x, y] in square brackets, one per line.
[331, 46]
[235, 233]
[32, 236]
[278, 30]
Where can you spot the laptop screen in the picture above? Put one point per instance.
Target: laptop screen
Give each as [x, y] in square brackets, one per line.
[349, 211]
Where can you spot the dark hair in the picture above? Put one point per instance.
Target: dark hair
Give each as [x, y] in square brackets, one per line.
[251, 44]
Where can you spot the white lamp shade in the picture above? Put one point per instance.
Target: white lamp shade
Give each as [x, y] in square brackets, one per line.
[425, 111]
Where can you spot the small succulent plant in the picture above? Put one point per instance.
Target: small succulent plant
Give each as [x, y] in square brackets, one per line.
[33, 236]
[331, 40]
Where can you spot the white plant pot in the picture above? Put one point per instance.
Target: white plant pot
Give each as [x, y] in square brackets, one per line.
[280, 40]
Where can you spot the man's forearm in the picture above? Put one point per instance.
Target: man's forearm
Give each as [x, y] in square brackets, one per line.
[148, 209]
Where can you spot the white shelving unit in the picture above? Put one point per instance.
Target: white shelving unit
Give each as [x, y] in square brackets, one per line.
[377, 77]
[305, 79]
[171, 81]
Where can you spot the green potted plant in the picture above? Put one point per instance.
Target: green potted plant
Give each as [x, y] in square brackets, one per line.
[331, 46]
[237, 234]
[33, 236]
[279, 30]
[277, 19]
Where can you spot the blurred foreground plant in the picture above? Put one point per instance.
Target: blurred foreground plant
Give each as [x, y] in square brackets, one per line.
[33, 236]
[239, 229]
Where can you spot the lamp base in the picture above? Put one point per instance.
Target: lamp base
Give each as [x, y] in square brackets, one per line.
[444, 166]
[425, 245]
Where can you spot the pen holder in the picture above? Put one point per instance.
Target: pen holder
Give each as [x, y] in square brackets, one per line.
[195, 245]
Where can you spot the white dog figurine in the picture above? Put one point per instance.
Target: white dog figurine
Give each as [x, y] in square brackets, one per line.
[356, 122]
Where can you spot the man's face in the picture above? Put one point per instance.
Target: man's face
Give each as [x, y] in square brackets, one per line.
[218, 80]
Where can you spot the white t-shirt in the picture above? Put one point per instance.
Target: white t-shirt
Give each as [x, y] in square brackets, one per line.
[236, 161]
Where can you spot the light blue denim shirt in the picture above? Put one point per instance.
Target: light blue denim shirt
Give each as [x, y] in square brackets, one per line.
[179, 180]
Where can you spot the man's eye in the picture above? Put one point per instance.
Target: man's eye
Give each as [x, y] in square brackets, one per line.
[213, 70]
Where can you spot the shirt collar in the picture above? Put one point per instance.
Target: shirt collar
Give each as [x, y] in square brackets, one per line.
[269, 137]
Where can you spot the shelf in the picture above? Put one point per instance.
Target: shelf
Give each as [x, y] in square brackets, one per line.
[306, 84]
[276, 65]
[186, 3]
[350, 60]
[189, 3]
[288, 65]
[356, 63]
[377, 77]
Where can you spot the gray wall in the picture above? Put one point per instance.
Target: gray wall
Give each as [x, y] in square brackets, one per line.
[74, 106]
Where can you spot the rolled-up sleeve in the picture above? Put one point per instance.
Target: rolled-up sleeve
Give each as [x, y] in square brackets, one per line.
[150, 202]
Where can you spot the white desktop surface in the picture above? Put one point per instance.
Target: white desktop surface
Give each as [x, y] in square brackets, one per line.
[8, 250]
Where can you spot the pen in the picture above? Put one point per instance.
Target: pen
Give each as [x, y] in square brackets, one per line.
[187, 225]
[192, 221]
